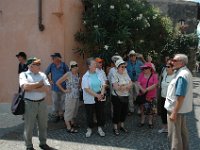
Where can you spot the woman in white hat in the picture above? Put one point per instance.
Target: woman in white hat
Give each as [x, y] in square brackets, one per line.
[72, 95]
[120, 92]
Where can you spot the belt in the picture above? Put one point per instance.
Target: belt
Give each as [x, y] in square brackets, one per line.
[40, 100]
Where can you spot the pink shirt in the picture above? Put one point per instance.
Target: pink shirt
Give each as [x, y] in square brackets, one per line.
[143, 81]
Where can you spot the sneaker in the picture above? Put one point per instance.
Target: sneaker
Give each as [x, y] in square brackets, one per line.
[100, 131]
[88, 133]
[163, 130]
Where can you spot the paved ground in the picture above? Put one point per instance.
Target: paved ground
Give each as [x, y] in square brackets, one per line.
[11, 132]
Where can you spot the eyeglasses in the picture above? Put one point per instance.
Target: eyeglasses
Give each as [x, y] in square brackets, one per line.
[169, 66]
[73, 66]
[176, 60]
[145, 68]
[123, 66]
[38, 64]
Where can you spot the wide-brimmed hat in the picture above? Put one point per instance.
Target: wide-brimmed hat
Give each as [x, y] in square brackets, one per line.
[132, 52]
[119, 62]
[147, 65]
[33, 60]
[72, 64]
[115, 58]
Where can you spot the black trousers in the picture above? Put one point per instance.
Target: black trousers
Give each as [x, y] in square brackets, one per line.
[163, 111]
[98, 109]
[120, 110]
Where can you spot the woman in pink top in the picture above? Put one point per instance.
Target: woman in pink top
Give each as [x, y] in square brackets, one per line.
[147, 75]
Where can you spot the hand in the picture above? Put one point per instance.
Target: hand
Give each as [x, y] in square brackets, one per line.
[143, 91]
[123, 88]
[51, 82]
[98, 96]
[41, 83]
[67, 90]
[173, 116]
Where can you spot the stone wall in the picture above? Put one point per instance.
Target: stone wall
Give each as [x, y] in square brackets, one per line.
[179, 10]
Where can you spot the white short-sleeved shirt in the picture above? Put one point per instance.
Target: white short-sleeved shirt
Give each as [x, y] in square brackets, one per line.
[102, 73]
[30, 77]
[87, 98]
[121, 79]
[165, 83]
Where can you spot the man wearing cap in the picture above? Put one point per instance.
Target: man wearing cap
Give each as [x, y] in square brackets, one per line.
[133, 69]
[36, 85]
[55, 71]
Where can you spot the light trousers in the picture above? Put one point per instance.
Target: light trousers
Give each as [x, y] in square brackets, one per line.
[178, 133]
[35, 112]
[58, 105]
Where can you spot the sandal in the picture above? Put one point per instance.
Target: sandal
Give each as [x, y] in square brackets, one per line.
[72, 130]
[151, 126]
[116, 131]
[75, 125]
[124, 130]
[140, 124]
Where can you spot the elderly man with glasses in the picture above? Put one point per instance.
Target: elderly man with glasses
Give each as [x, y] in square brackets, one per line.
[178, 103]
[36, 85]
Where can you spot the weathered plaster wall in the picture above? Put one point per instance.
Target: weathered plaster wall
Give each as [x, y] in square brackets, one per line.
[19, 32]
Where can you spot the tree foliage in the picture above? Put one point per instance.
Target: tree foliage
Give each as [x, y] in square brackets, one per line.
[112, 26]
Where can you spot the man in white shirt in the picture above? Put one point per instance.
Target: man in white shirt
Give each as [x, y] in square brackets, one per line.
[178, 103]
[36, 85]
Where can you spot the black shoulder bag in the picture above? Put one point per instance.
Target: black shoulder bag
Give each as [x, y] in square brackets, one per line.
[18, 105]
[141, 99]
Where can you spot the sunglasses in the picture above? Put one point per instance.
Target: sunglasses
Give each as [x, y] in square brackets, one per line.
[37, 64]
[123, 66]
[169, 66]
[145, 68]
[73, 66]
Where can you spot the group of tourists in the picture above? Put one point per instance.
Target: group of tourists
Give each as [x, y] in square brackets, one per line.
[128, 85]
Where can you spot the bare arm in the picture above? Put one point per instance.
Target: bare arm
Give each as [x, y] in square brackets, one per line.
[60, 81]
[44, 88]
[151, 87]
[33, 86]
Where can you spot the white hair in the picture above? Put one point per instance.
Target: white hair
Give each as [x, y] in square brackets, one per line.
[183, 58]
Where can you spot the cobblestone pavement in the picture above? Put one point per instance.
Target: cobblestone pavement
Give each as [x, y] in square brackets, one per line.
[11, 132]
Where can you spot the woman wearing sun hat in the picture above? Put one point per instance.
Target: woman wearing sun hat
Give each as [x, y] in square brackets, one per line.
[72, 95]
[121, 83]
[147, 81]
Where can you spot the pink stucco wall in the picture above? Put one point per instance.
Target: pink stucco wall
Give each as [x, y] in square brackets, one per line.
[19, 32]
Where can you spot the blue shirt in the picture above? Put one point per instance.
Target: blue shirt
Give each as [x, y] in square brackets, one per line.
[134, 69]
[56, 73]
[181, 86]
[95, 82]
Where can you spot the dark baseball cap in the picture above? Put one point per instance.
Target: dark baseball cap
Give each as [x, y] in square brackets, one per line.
[56, 55]
[32, 60]
[22, 54]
